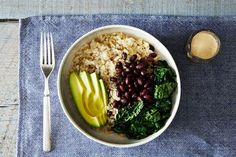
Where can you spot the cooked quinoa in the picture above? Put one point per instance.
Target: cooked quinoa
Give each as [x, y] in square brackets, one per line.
[101, 55]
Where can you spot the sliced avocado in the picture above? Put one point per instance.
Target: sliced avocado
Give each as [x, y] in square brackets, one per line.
[102, 119]
[89, 97]
[95, 82]
[105, 101]
[78, 90]
[104, 93]
[98, 104]
[101, 95]
[87, 81]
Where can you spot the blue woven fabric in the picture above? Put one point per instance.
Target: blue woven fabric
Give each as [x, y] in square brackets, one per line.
[205, 124]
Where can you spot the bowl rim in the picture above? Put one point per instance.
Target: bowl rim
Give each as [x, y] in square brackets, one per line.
[141, 141]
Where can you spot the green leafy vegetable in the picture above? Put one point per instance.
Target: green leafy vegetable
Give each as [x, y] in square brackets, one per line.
[162, 64]
[164, 105]
[136, 131]
[146, 123]
[139, 121]
[129, 112]
[163, 73]
[164, 90]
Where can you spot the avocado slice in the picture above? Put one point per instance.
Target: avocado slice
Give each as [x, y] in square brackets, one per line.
[104, 93]
[89, 97]
[102, 119]
[84, 95]
[98, 104]
[104, 97]
[78, 90]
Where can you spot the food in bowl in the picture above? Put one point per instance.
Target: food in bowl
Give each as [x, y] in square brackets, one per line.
[118, 82]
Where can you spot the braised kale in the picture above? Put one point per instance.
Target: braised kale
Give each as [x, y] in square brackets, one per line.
[145, 124]
[164, 90]
[163, 73]
[140, 126]
[165, 80]
[129, 112]
[125, 115]
[141, 120]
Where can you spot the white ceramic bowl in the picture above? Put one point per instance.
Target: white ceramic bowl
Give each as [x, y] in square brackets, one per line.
[110, 139]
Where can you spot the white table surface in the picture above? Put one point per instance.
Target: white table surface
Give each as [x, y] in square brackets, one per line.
[16, 9]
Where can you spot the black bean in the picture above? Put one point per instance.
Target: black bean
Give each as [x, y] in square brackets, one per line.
[151, 47]
[147, 97]
[152, 77]
[144, 79]
[122, 88]
[132, 66]
[118, 93]
[150, 59]
[124, 100]
[143, 72]
[122, 83]
[123, 73]
[136, 84]
[134, 96]
[127, 95]
[127, 65]
[148, 84]
[136, 71]
[116, 104]
[118, 70]
[153, 55]
[142, 60]
[128, 70]
[148, 92]
[109, 113]
[149, 89]
[145, 64]
[113, 79]
[140, 65]
[127, 80]
[124, 55]
[143, 92]
[133, 58]
[138, 98]
[140, 81]
[131, 90]
[129, 75]
[130, 86]
[119, 64]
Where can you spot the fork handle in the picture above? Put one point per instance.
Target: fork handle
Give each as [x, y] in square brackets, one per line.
[46, 124]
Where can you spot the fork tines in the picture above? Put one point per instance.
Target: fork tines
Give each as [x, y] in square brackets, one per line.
[46, 49]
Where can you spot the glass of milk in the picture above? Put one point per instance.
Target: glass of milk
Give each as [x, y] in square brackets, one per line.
[203, 45]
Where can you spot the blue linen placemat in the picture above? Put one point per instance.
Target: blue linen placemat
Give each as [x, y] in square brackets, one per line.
[205, 124]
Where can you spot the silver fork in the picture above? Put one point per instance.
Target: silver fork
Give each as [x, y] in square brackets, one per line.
[47, 64]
